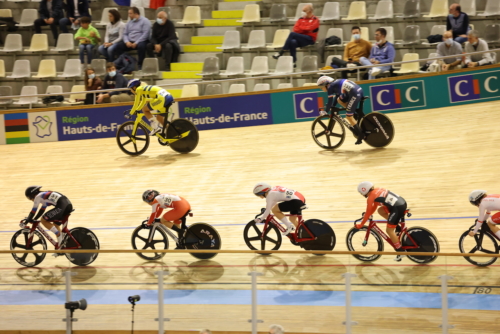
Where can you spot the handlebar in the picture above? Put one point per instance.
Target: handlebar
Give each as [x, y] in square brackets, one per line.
[127, 114]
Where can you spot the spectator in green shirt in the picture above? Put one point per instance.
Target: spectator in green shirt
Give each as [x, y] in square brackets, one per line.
[88, 37]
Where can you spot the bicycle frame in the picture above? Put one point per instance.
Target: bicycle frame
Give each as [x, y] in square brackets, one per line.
[139, 120]
[404, 231]
[293, 236]
[165, 229]
[479, 237]
[36, 225]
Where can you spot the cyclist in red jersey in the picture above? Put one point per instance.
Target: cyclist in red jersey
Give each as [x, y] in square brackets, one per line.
[486, 204]
[390, 206]
[172, 219]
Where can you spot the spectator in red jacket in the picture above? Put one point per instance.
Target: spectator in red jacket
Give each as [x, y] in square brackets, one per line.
[304, 33]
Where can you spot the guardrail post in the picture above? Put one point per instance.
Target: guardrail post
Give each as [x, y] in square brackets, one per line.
[444, 303]
[254, 319]
[67, 278]
[160, 318]
[348, 309]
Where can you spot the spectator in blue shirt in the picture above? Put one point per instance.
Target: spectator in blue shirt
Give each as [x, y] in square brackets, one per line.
[135, 35]
[382, 53]
[458, 23]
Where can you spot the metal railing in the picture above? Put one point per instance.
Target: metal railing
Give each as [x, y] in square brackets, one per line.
[271, 76]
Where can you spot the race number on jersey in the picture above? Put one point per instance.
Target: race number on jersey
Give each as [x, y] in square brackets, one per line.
[391, 198]
[54, 197]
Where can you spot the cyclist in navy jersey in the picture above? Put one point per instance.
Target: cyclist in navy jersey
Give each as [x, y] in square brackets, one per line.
[62, 208]
[349, 95]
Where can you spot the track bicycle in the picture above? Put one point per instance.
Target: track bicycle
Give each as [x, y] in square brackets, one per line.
[196, 236]
[413, 239]
[312, 234]
[133, 136]
[328, 131]
[33, 238]
[483, 242]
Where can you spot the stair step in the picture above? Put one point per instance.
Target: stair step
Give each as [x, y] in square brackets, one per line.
[186, 66]
[207, 39]
[196, 57]
[227, 14]
[201, 48]
[238, 0]
[213, 31]
[181, 75]
[240, 5]
[221, 22]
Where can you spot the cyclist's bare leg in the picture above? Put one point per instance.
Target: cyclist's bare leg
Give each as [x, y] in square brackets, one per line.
[48, 225]
[169, 224]
[148, 115]
[278, 214]
[390, 230]
[294, 221]
[493, 227]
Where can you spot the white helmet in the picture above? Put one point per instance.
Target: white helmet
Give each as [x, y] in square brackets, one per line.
[476, 195]
[364, 187]
[261, 188]
[324, 80]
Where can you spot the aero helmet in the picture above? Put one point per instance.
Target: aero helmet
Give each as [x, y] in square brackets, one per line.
[365, 187]
[32, 191]
[261, 188]
[476, 195]
[149, 195]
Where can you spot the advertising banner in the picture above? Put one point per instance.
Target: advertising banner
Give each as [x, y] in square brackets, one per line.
[43, 126]
[228, 112]
[306, 105]
[89, 123]
[2, 130]
[395, 96]
[476, 86]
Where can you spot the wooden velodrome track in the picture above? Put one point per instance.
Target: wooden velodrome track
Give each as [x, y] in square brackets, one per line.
[438, 156]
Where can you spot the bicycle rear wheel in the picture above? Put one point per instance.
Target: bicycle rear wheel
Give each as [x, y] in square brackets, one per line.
[487, 243]
[186, 144]
[355, 239]
[202, 236]
[125, 137]
[426, 242]
[20, 240]
[258, 239]
[323, 234]
[87, 240]
[380, 128]
[140, 240]
[327, 132]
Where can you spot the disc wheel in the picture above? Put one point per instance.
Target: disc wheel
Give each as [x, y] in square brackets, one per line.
[355, 239]
[186, 144]
[426, 241]
[202, 236]
[481, 243]
[140, 240]
[322, 232]
[20, 240]
[125, 138]
[258, 239]
[87, 240]
[327, 132]
[380, 128]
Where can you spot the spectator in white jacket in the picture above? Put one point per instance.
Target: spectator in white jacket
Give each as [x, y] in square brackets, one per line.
[114, 35]
[477, 44]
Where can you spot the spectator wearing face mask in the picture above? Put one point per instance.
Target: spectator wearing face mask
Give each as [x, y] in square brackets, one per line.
[164, 40]
[458, 23]
[477, 44]
[382, 52]
[92, 82]
[449, 48]
[305, 32]
[111, 81]
[353, 51]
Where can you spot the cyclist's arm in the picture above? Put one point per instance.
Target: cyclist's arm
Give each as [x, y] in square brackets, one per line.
[371, 206]
[36, 204]
[156, 212]
[41, 212]
[483, 216]
[332, 102]
[139, 102]
[270, 202]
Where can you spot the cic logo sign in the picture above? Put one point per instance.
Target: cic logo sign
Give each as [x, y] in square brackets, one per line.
[398, 96]
[307, 104]
[474, 86]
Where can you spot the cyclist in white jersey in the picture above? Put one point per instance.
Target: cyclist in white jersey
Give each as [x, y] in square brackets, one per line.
[278, 200]
[487, 204]
[62, 208]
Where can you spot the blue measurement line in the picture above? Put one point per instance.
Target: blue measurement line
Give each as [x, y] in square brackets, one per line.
[330, 222]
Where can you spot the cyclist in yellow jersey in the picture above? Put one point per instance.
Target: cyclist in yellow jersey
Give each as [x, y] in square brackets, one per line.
[149, 98]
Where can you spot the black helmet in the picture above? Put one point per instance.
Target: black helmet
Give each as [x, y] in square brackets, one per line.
[32, 191]
[149, 195]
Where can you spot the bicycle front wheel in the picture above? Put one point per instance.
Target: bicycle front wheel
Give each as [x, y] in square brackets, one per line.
[257, 238]
[379, 129]
[86, 240]
[177, 128]
[327, 132]
[355, 243]
[132, 143]
[202, 236]
[20, 240]
[481, 243]
[140, 240]
[426, 242]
